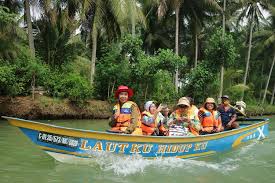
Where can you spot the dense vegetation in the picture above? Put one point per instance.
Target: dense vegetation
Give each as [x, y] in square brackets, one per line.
[162, 49]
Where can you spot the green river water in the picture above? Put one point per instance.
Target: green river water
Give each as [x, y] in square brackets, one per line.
[22, 161]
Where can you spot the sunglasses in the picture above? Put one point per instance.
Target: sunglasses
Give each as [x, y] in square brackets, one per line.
[182, 106]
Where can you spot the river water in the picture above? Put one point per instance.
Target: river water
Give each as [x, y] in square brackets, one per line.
[22, 161]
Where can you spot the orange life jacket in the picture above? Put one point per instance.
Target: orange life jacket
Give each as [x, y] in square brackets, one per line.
[125, 113]
[148, 129]
[209, 119]
[190, 115]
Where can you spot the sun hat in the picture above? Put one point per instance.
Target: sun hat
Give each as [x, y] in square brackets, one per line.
[123, 88]
[210, 100]
[183, 101]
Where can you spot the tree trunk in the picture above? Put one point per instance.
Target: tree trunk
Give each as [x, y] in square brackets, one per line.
[177, 48]
[133, 22]
[269, 76]
[109, 86]
[33, 85]
[223, 34]
[113, 87]
[29, 24]
[196, 49]
[94, 41]
[262, 75]
[221, 84]
[146, 90]
[248, 55]
[223, 18]
[273, 93]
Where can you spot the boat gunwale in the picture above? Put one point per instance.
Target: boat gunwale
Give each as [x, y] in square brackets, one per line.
[81, 133]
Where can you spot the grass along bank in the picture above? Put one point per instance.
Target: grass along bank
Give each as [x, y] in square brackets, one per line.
[256, 110]
[52, 108]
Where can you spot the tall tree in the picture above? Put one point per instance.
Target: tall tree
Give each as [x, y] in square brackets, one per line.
[29, 25]
[108, 18]
[223, 33]
[252, 11]
[134, 14]
[194, 11]
[266, 39]
[175, 5]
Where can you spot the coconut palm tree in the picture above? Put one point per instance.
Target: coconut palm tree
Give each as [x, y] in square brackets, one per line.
[194, 11]
[108, 17]
[267, 42]
[56, 26]
[162, 9]
[133, 13]
[152, 34]
[252, 11]
[29, 25]
[223, 33]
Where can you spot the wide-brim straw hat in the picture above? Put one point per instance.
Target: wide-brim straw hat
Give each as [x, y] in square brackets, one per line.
[122, 88]
[183, 101]
[210, 100]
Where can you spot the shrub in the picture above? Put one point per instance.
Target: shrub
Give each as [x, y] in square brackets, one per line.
[8, 82]
[72, 86]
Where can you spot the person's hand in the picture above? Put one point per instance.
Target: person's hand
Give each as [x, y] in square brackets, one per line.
[229, 124]
[185, 119]
[156, 131]
[129, 130]
[160, 107]
[215, 130]
[179, 119]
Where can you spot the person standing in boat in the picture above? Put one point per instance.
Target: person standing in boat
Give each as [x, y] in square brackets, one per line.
[183, 121]
[126, 115]
[151, 120]
[228, 114]
[210, 118]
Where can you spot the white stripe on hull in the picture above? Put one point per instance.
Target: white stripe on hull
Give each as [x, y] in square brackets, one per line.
[67, 158]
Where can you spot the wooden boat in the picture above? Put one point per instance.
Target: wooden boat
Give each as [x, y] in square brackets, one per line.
[68, 144]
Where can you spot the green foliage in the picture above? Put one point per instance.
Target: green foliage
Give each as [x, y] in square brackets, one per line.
[168, 60]
[8, 34]
[19, 73]
[6, 17]
[131, 47]
[55, 43]
[199, 83]
[235, 92]
[62, 64]
[220, 51]
[71, 86]
[149, 75]
[163, 87]
[8, 83]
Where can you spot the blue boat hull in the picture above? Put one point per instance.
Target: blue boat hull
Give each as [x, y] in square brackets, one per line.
[84, 143]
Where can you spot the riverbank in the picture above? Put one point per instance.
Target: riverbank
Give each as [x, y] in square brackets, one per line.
[44, 107]
[255, 110]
